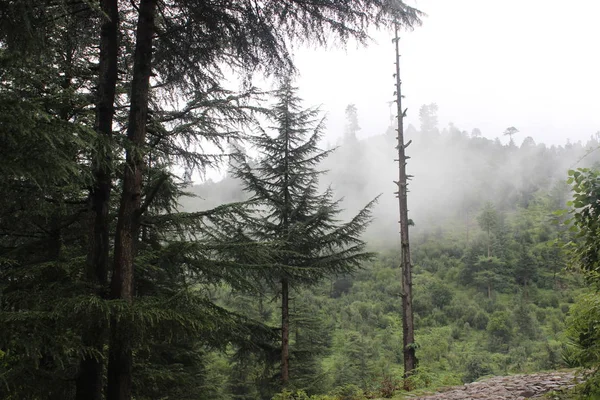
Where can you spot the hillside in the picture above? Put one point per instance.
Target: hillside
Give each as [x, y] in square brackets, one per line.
[487, 301]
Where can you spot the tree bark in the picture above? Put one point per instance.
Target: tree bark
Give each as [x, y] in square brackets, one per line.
[120, 354]
[285, 294]
[285, 333]
[408, 329]
[89, 381]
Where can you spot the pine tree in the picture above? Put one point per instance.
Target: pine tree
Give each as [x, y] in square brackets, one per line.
[59, 60]
[510, 131]
[90, 379]
[197, 37]
[488, 221]
[309, 244]
[46, 140]
[352, 126]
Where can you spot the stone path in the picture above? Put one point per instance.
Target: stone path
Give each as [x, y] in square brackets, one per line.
[508, 387]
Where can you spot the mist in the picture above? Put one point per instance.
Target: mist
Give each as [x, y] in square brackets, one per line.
[454, 174]
[488, 65]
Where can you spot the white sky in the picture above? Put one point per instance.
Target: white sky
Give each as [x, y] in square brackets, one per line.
[490, 64]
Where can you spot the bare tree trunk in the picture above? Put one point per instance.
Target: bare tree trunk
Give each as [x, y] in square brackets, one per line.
[120, 354]
[285, 332]
[296, 325]
[408, 329]
[89, 381]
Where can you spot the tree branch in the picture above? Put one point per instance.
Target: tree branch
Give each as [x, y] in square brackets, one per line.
[153, 192]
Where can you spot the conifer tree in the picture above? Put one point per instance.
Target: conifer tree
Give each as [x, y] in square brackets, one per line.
[90, 379]
[488, 221]
[308, 242]
[183, 44]
[352, 126]
[46, 139]
[510, 132]
[55, 70]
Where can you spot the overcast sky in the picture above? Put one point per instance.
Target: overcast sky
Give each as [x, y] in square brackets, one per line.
[488, 64]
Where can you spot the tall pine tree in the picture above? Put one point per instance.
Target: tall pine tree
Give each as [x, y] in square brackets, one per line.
[308, 241]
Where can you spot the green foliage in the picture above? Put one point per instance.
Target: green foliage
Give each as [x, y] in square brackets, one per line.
[306, 242]
[525, 321]
[311, 245]
[501, 331]
[583, 330]
[301, 395]
[349, 392]
[488, 218]
[203, 310]
[585, 224]
[465, 281]
[441, 295]
[461, 337]
[476, 367]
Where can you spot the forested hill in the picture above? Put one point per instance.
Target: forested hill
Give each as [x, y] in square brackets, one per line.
[491, 294]
[112, 289]
[454, 174]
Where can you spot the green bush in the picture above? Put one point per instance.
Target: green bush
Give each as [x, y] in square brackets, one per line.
[422, 378]
[476, 367]
[348, 392]
[441, 295]
[300, 395]
[388, 386]
[500, 330]
[584, 329]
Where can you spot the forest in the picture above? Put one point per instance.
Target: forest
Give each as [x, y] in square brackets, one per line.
[125, 276]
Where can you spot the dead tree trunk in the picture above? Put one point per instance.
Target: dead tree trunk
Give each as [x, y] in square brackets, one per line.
[408, 329]
[120, 353]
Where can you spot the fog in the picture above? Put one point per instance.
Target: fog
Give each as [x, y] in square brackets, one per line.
[455, 174]
[487, 64]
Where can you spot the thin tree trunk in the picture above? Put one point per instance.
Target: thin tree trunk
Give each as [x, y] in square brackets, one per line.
[296, 325]
[285, 309]
[285, 332]
[120, 354]
[408, 329]
[89, 381]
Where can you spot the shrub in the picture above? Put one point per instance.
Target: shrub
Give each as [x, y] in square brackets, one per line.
[349, 392]
[500, 329]
[388, 386]
[300, 395]
[476, 367]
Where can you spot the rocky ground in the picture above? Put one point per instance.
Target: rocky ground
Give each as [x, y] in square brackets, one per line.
[508, 387]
